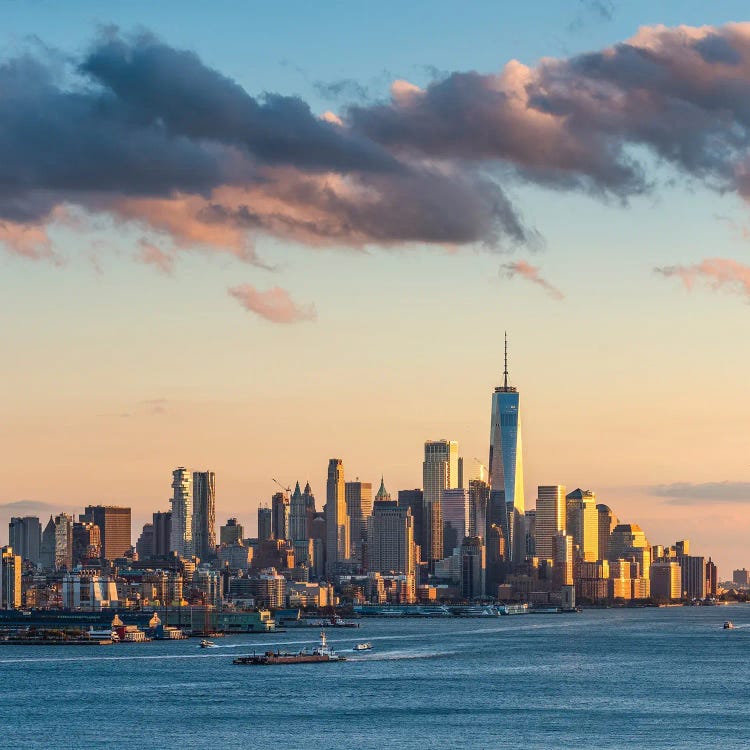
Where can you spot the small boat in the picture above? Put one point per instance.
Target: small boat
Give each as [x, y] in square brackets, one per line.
[207, 644]
[362, 647]
[728, 625]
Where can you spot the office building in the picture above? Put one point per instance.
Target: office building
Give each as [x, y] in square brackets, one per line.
[583, 523]
[607, 523]
[280, 508]
[529, 521]
[144, 547]
[299, 523]
[439, 472]
[204, 514]
[414, 501]
[563, 560]
[87, 543]
[712, 578]
[265, 524]
[47, 548]
[63, 542]
[456, 522]
[550, 518]
[114, 527]
[693, 569]
[472, 552]
[337, 520]
[479, 498]
[25, 537]
[496, 561]
[666, 581]
[162, 521]
[231, 532]
[359, 509]
[506, 466]
[390, 545]
[625, 536]
[181, 541]
[10, 579]
[741, 577]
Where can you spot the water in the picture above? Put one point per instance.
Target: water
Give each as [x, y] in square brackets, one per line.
[668, 678]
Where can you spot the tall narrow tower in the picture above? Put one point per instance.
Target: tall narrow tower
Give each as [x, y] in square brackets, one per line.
[337, 520]
[439, 472]
[506, 508]
[181, 540]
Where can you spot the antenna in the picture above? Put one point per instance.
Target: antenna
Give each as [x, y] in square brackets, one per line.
[505, 371]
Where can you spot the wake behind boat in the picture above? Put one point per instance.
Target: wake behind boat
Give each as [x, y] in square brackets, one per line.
[321, 653]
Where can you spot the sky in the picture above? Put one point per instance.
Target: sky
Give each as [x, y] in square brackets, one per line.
[249, 238]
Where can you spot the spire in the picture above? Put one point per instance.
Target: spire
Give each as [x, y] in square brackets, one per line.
[382, 495]
[505, 371]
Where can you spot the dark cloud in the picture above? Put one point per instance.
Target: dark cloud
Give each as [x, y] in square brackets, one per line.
[685, 493]
[344, 88]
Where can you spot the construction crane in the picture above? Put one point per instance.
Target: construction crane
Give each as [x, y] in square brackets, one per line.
[286, 489]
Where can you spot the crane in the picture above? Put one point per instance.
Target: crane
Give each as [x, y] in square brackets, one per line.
[286, 489]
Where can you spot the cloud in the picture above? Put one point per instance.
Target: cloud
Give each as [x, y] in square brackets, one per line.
[719, 274]
[154, 255]
[526, 271]
[686, 493]
[275, 304]
[597, 10]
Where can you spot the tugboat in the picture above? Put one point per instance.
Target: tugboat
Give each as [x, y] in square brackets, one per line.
[362, 647]
[728, 625]
[321, 653]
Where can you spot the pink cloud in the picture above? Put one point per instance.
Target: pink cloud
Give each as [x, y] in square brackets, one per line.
[274, 304]
[155, 256]
[530, 273]
[720, 274]
[28, 240]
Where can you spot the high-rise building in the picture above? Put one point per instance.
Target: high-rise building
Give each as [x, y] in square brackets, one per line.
[439, 472]
[712, 578]
[529, 522]
[280, 515]
[456, 511]
[563, 559]
[162, 521]
[479, 498]
[25, 537]
[265, 524]
[583, 523]
[298, 520]
[496, 559]
[87, 543]
[63, 542]
[181, 541]
[607, 523]
[666, 581]
[144, 547]
[309, 499]
[472, 553]
[114, 526]
[506, 466]
[550, 518]
[626, 536]
[741, 577]
[204, 514]
[359, 509]
[10, 579]
[231, 532]
[414, 501]
[391, 539]
[693, 576]
[47, 548]
[337, 521]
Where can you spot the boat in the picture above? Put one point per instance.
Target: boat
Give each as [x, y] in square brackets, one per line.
[362, 647]
[207, 644]
[728, 625]
[320, 654]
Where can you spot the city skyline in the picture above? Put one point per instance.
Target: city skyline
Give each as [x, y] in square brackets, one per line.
[633, 383]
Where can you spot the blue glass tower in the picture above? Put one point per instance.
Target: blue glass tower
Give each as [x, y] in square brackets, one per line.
[506, 508]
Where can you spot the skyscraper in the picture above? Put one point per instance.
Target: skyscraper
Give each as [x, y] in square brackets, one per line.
[414, 500]
[280, 515]
[439, 472]
[506, 465]
[181, 541]
[337, 521]
[479, 498]
[10, 579]
[298, 522]
[550, 518]
[583, 523]
[47, 549]
[114, 527]
[563, 559]
[607, 523]
[25, 537]
[231, 532]
[204, 514]
[359, 509]
[87, 543]
[456, 521]
[472, 552]
[63, 541]
[391, 539]
[265, 524]
[162, 521]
